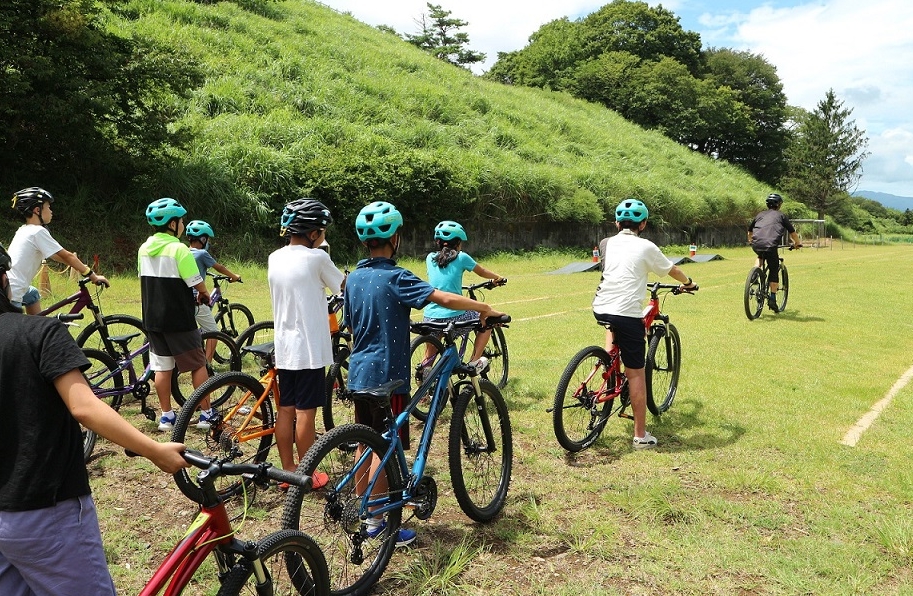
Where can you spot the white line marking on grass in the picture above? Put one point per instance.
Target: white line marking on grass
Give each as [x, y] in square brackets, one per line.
[853, 435]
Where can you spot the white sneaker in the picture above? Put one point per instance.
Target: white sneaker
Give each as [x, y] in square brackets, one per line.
[480, 364]
[647, 441]
[166, 423]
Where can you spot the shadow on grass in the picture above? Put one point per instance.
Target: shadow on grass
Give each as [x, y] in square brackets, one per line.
[671, 426]
[791, 315]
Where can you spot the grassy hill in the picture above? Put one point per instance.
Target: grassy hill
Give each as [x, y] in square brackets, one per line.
[300, 99]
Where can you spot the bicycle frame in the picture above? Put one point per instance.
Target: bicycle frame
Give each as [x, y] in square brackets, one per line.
[125, 364]
[268, 381]
[80, 299]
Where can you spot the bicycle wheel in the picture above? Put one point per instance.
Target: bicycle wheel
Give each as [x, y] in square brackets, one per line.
[234, 320]
[239, 423]
[182, 383]
[293, 564]
[255, 335]
[422, 365]
[338, 409]
[577, 417]
[331, 515]
[664, 362]
[783, 290]
[117, 326]
[480, 450]
[103, 375]
[754, 293]
[496, 352]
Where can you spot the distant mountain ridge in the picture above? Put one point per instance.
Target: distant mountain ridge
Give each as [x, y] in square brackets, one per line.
[888, 200]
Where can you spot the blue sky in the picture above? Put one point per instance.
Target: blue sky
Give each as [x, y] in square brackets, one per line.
[861, 50]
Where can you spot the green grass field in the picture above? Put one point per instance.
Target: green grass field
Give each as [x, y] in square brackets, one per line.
[749, 492]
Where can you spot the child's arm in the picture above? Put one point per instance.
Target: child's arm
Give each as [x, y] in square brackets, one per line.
[67, 258]
[225, 271]
[486, 273]
[459, 302]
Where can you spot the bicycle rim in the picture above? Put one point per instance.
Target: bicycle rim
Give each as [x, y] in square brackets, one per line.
[421, 365]
[662, 368]
[498, 363]
[783, 291]
[339, 408]
[577, 418]
[331, 515]
[182, 383]
[480, 451]
[292, 562]
[754, 294]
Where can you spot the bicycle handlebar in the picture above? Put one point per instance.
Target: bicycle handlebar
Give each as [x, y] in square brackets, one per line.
[434, 327]
[68, 317]
[675, 289]
[214, 467]
[224, 278]
[486, 285]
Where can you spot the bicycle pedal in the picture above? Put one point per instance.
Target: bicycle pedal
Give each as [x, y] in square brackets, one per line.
[626, 415]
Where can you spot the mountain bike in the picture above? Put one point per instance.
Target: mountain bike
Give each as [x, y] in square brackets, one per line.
[480, 457]
[231, 317]
[757, 288]
[258, 334]
[285, 562]
[424, 352]
[593, 386]
[96, 334]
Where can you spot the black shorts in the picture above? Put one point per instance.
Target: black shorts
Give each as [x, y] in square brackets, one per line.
[371, 414]
[305, 389]
[630, 337]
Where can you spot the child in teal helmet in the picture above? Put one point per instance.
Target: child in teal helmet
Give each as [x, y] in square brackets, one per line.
[379, 298]
[445, 269]
[627, 261]
[199, 233]
[168, 275]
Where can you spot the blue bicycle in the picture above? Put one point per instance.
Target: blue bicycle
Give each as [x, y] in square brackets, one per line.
[356, 517]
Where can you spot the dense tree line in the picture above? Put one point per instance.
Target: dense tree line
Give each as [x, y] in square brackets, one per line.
[640, 62]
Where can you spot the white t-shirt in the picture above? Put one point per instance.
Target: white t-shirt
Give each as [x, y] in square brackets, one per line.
[31, 244]
[627, 262]
[298, 277]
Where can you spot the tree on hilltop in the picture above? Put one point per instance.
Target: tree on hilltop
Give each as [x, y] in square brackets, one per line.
[440, 36]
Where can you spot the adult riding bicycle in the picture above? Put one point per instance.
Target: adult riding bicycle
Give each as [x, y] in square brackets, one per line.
[357, 526]
[283, 563]
[424, 351]
[585, 397]
[757, 287]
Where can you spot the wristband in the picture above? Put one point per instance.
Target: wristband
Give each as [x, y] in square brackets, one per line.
[690, 282]
[88, 272]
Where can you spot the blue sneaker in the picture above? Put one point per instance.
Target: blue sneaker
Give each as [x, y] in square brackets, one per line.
[166, 422]
[405, 537]
[205, 420]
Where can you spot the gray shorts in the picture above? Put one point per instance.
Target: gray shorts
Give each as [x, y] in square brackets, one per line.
[53, 551]
[205, 320]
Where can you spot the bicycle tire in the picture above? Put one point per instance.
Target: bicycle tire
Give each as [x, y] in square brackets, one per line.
[182, 383]
[754, 293]
[577, 418]
[234, 320]
[338, 407]
[104, 374]
[663, 366]
[117, 326]
[293, 562]
[498, 363]
[783, 290]
[421, 366]
[222, 436]
[331, 515]
[260, 332]
[480, 450]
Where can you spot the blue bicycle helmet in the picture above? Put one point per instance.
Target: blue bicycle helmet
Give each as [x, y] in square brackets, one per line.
[448, 230]
[161, 211]
[198, 228]
[631, 210]
[378, 220]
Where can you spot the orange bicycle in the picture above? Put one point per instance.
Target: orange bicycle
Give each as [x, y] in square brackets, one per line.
[243, 425]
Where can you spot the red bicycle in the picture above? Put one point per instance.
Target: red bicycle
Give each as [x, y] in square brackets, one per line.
[285, 562]
[586, 394]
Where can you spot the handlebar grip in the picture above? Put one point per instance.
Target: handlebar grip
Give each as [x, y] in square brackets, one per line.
[500, 320]
[281, 475]
[64, 318]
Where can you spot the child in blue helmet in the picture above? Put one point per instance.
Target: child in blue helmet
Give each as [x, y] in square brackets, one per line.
[445, 272]
[199, 233]
[168, 275]
[379, 297]
[619, 301]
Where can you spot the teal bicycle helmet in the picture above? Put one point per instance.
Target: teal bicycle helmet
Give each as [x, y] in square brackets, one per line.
[161, 211]
[631, 210]
[198, 228]
[448, 230]
[378, 220]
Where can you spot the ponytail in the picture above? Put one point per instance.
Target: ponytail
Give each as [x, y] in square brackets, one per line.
[447, 251]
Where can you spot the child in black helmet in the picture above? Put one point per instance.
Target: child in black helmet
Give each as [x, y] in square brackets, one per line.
[764, 234]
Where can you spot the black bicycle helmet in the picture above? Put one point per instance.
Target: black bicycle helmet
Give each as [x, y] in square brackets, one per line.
[304, 215]
[774, 200]
[27, 199]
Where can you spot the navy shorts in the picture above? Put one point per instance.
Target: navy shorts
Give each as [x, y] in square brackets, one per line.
[370, 414]
[629, 336]
[305, 389]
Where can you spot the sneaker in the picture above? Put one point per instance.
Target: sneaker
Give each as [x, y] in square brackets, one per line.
[772, 304]
[405, 537]
[166, 422]
[319, 480]
[480, 364]
[205, 420]
[647, 441]
[244, 410]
